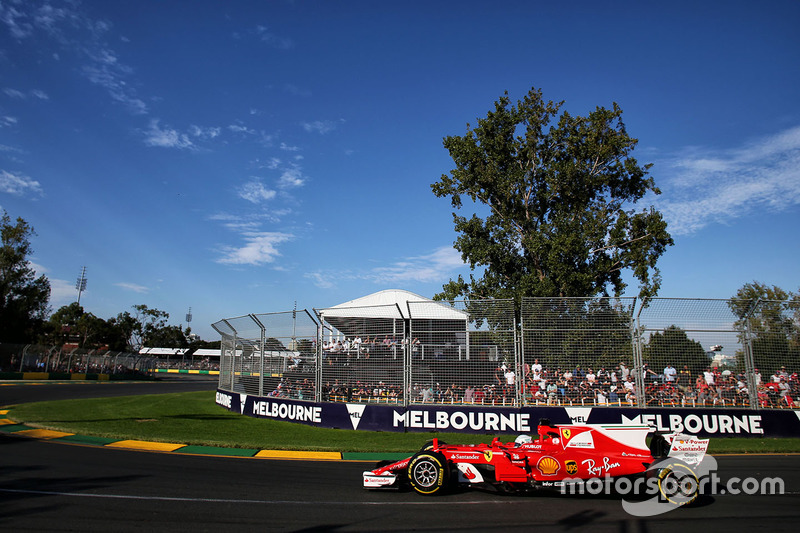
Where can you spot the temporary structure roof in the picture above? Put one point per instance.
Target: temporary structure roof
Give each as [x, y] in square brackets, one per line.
[394, 303]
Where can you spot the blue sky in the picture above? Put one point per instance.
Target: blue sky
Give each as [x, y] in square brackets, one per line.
[236, 157]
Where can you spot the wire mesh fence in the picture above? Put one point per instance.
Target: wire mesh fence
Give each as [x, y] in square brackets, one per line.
[578, 351]
[463, 352]
[546, 351]
[363, 354]
[71, 360]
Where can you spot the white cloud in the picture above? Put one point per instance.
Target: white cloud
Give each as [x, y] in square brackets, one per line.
[106, 71]
[259, 248]
[702, 187]
[204, 133]
[62, 292]
[281, 43]
[132, 287]
[14, 93]
[71, 29]
[238, 128]
[19, 95]
[292, 177]
[166, 138]
[255, 192]
[320, 280]
[436, 267]
[319, 126]
[295, 90]
[433, 267]
[18, 184]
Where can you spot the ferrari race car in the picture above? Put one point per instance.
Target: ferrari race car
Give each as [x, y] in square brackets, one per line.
[561, 454]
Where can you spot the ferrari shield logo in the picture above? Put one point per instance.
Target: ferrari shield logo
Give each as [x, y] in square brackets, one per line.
[572, 467]
[566, 433]
[488, 456]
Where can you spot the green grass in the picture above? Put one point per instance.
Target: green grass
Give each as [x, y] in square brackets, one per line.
[193, 418]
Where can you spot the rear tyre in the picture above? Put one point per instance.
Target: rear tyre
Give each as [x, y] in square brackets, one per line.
[678, 484]
[429, 473]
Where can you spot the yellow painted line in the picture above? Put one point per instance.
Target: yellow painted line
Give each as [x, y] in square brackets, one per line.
[146, 445]
[4, 411]
[6, 422]
[43, 433]
[286, 454]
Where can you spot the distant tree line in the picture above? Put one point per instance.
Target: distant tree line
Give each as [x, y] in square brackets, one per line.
[25, 313]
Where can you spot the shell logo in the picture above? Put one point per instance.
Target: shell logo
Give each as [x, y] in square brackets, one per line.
[548, 466]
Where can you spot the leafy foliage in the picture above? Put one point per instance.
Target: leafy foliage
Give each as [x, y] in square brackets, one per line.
[673, 346]
[23, 296]
[770, 316]
[557, 191]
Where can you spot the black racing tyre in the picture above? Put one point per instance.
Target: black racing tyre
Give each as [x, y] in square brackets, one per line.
[678, 484]
[429, 473]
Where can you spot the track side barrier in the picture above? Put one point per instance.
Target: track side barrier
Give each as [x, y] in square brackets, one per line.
[471, 419]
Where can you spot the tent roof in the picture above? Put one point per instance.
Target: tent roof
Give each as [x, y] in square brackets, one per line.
[394, 303]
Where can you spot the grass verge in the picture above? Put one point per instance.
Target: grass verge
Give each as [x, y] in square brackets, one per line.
[193, 418]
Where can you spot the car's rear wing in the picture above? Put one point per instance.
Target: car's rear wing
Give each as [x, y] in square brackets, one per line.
[687, 448]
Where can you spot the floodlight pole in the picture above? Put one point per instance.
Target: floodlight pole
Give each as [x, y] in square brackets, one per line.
[80, 285]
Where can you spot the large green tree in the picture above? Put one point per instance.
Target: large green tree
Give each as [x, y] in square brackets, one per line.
[556, 195]
[23, 296]
[71, 323]
[674, 347]
[769, 317]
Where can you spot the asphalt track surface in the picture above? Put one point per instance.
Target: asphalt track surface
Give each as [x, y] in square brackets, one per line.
[46, 486]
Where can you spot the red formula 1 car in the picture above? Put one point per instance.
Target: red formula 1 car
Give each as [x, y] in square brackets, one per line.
[562, 454]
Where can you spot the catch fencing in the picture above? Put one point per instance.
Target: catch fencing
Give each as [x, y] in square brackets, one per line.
[71, 360]
[545, 352]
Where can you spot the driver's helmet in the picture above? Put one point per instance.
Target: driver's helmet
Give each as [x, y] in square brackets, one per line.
[523, 439]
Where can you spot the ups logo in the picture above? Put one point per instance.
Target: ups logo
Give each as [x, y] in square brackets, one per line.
[572, 467]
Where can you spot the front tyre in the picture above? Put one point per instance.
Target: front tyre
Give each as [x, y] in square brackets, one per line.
[429, 473]
[678, 484]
